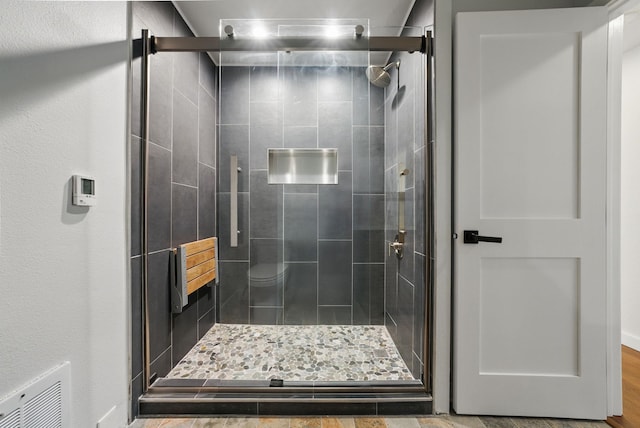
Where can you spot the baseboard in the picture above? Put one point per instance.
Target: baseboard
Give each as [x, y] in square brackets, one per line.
[631, 341]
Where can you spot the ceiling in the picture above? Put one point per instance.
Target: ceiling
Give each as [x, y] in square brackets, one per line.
[385, 16]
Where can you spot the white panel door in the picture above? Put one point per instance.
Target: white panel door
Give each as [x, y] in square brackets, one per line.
[530, 122]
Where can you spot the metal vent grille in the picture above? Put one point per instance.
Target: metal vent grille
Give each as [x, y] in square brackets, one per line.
[45, 409]
[12, 420]
[43, 403]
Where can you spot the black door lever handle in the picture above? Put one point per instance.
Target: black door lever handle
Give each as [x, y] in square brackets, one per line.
[472, 237]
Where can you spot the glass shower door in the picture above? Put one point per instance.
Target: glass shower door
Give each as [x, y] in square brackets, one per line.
[309, 198]
[405, 185]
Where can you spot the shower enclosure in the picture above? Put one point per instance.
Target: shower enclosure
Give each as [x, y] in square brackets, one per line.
[322, 218]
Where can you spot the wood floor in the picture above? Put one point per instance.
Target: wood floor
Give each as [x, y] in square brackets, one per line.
[445, 421]
[630, 391]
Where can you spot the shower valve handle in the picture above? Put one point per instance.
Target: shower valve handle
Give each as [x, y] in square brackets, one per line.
[397, 247]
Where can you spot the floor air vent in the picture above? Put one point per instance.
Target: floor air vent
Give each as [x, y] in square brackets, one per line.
[42, 403]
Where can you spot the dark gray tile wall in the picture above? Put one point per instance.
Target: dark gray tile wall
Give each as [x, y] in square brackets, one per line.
[266, 203]
[368, 230]
[269, 254]
[159, 305]
[136, 203]
[206, 304]
[330, 238]
[301, 294]
[241, 252]
[266, 316]
[185, 139]
[184, 207]
[335, 273]
[206, 201]
[159, 198]
[234, 140]
[182, 189]
[404, 150]
[368, 285]
[336, 204]
[301, 227]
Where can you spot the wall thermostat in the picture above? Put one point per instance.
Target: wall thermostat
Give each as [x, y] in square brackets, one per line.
[84, 191]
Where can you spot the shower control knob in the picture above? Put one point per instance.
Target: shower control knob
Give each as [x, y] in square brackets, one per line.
[397, 248]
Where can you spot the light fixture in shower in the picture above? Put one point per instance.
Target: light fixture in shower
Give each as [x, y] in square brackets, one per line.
[379, 76]
[259, 31]
[332, 32]
[346, 31]
[233, 30]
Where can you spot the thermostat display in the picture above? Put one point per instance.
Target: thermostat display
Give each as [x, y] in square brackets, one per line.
[84, 191]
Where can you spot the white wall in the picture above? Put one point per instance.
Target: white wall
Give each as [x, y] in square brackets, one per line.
[63, 270]
[630, 179]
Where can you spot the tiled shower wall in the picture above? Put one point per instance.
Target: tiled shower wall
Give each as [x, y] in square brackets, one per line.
[405, 149]
[330, 237]
[181, 199]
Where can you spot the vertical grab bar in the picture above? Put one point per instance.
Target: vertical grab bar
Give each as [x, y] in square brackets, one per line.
[233, 229]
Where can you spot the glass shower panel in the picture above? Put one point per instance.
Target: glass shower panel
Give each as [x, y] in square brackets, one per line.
[307, 291]
[405, 286]
[304, 240]
[253, 274]
[318, 89]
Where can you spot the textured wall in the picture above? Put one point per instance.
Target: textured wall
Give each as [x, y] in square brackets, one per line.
[182, 200]
[63, 269]
[329, 236]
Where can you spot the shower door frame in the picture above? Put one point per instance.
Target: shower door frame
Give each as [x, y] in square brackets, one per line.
[423, 44]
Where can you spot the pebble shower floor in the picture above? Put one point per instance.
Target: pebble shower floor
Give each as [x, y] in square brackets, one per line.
[294, 353]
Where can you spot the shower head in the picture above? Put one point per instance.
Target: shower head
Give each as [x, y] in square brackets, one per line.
[379, 76]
